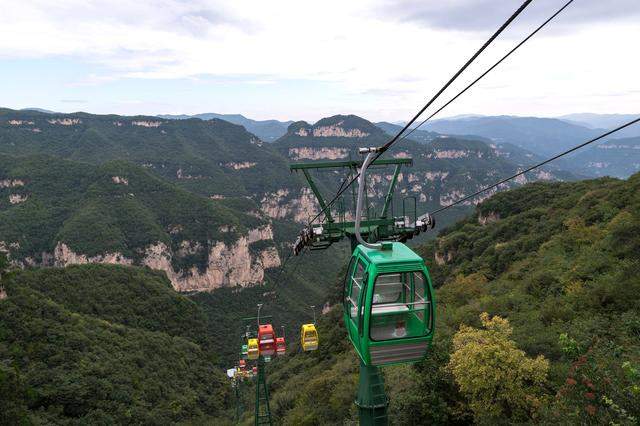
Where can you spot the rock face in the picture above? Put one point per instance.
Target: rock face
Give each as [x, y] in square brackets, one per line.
[11, 183]
[63, 255]
[65, 121]
[146, 123]
[308, 153]
[449, 153]
[20, 122]
[119, 180]
[488, 218]
[337, 130]
[228, 265]
[240, 166]
[17, 198]
[276, 205]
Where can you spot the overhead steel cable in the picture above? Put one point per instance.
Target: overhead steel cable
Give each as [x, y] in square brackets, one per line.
[473, 83]
[428, 104]
[495, 35]
[555, 157]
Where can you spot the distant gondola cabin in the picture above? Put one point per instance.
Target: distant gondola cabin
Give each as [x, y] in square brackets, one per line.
[308, 337]
[388, 305]
[281, 347]
[252, 349]
[245, 351]
[266, 340]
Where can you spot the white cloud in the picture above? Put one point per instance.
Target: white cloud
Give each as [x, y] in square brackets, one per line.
[382, 65]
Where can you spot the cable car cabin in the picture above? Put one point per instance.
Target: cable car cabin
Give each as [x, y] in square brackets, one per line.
[244, 352]
[281, 347]
[308, 337]
[252, 349]
[388, 305]
[242, 364]
[266, 340]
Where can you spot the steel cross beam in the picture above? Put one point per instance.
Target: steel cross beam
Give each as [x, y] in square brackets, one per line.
[350, 164]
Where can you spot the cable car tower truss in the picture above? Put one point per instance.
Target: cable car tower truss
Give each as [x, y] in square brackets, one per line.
[335, 226]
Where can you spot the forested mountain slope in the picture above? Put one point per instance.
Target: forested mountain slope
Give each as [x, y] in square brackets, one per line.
[223, 161]
[267, 130]
[544, 136]
[555, 267]
[97, 344]
[212, 158]
[59, 212]
[615, 157]
[444, 170]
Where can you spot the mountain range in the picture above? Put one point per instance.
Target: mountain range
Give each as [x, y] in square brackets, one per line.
[192, 218]
[554, 265]
[542, 137]
[267, 130]
[77, 188]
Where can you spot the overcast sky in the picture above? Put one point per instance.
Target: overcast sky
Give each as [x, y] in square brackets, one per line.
[380, 59]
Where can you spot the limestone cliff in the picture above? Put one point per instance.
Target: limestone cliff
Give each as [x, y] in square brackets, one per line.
[228, 264]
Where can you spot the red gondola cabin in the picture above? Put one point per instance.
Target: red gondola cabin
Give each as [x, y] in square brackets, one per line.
[266, 340]
[281, 347]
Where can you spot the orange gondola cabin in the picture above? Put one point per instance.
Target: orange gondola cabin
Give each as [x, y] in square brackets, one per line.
[281, 347]
[266, 340]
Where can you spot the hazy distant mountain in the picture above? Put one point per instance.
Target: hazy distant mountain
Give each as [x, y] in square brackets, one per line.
[615, 157]
[543, 136]
[418, 135]
[46, 111]
[267, 130]
[605, 121]
[599, 121]
[444, 169]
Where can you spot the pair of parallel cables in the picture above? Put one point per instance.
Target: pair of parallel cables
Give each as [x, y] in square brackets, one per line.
[407, 130]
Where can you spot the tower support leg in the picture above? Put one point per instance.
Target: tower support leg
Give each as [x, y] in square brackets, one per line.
[372, 400]
[263, 412]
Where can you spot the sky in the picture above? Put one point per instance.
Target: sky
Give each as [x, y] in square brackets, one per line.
[300, 60]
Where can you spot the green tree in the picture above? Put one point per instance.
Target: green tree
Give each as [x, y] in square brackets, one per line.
[4, 263]
[499, 380]
[13, 408]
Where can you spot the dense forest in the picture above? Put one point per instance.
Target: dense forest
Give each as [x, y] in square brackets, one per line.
[538, 320]
[98, 344]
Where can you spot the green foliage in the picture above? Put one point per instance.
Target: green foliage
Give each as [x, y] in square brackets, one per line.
[559, 262]
[498, 378]
[88, 209]
[105, 345]
[196, 154]
[4, 263]
[13, 406]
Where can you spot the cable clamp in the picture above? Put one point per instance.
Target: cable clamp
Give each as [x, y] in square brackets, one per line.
[367, 150]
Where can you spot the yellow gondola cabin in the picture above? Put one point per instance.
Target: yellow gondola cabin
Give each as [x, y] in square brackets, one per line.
[308, 337]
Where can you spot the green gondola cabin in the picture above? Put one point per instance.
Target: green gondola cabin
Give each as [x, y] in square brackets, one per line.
[388, 305]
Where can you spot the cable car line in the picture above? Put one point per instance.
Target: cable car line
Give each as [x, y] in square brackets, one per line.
[555, 157]
[544, 24]
[386, 146]
[495, 35]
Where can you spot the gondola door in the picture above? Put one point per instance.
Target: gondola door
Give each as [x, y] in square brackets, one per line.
[355, 289]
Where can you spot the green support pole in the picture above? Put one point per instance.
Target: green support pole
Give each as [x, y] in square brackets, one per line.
[372, 400]
[238, 400]
[318, 195]
[392, 187]
[263, 412]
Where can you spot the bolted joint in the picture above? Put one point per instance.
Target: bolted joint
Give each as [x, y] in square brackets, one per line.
[367, 150]
[426, 222]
